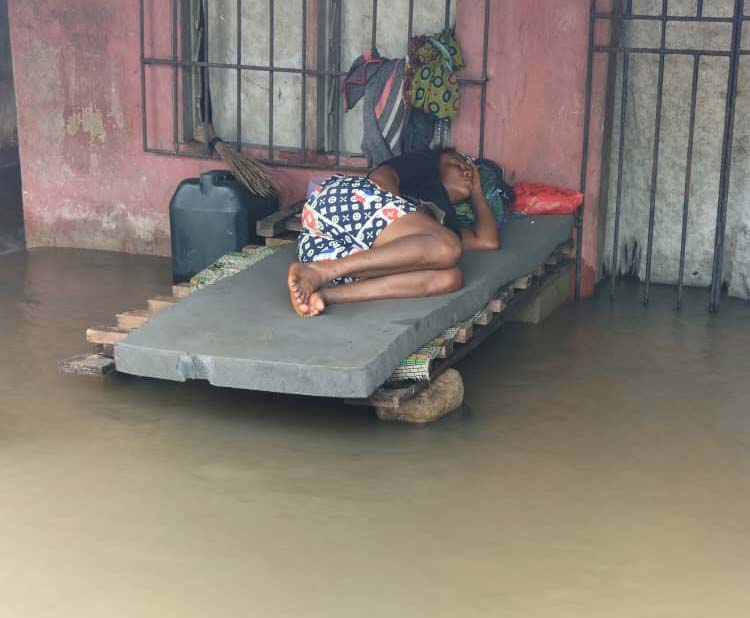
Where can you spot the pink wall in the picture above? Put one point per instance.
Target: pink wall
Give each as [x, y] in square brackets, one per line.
[88, 183]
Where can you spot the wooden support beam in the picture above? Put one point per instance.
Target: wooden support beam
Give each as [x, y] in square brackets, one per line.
[294, 224]
[250, 248]
[539, 271]
[278, 241]
[87, 365]
[497, 305]
[446, 350]
[105, 349]
[159, 303]
[181, 290]
[465, 332]
[275, 224]
[130, 320]
[522, 283]
[484, 317]
[106, 335]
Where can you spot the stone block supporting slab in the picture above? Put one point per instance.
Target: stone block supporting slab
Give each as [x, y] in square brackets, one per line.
[443, 396]
[538, 303]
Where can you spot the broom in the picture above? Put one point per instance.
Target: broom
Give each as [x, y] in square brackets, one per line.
[249, 172]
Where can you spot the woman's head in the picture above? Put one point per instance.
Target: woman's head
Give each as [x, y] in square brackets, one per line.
[456, 174]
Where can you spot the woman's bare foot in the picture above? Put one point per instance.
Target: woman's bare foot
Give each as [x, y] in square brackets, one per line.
[304, 282]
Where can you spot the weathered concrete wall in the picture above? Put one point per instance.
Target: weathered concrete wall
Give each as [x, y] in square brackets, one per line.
[706, 167]
[8, 133]
[88, 183]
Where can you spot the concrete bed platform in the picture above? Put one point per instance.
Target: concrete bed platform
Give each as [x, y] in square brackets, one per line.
[242, 333]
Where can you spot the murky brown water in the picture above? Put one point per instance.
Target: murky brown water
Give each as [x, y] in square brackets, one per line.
[600, 467]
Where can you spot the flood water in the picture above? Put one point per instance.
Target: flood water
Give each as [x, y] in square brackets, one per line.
[599, 467]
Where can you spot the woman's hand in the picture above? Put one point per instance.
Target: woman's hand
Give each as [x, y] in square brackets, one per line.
[476, 181]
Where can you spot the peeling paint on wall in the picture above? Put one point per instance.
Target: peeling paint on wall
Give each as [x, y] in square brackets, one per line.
[90, 121]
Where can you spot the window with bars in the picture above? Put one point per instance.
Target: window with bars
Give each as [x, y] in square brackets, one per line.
[268, 74]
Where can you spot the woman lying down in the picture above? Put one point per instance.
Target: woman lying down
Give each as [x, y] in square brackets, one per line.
[393, 234]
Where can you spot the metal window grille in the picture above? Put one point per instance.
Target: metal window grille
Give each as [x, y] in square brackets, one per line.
[622, 15]
[184, 59]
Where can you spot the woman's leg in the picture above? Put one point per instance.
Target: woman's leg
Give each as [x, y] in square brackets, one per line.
[415, 242]
[417, 284]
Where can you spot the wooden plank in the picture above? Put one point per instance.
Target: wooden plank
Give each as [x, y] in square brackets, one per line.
[159, 303]
[465, 332]
[181, 290]
[130, 320]
[553, 259]
[446, 350]
[278, 241]
[249, 249]
[522, 283]
[294, 224]
[106, 335]
[539, 271]
[106, 349]
[497, 305]
[484, 317]
[275, 224]
[87, 365]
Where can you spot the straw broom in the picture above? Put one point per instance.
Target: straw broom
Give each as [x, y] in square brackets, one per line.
[249, 172]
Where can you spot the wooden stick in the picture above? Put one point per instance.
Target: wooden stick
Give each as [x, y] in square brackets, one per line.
[278, 241]
[522, 283]
[465, 332]
[275, 224]
[106, 335]
[484, 317]
[181, 290]
[130, 320]
[159, 303]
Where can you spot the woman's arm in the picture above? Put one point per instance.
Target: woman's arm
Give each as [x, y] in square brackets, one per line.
[485, 235]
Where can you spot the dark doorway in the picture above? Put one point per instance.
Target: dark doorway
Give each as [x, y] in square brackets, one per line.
[11, 211]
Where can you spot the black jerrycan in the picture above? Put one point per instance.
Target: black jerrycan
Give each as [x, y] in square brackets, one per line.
[211, 216]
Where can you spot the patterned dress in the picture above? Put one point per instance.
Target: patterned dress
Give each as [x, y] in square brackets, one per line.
[345, 215]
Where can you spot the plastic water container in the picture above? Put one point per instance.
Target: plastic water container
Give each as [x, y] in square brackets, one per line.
[211, 216]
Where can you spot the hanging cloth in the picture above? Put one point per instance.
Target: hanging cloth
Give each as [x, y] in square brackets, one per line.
[431, 82]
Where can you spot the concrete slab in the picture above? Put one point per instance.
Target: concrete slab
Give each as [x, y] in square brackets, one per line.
[242, 333]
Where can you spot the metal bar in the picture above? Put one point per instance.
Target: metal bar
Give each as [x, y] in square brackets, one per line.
[726, 158]
[206, 95]
[483, 95]
[655, 159]
[670, 18]
[585, 150]
[410, 28]
[620, 168]
[688, 177]
[700, 8]
[337, 27]
[175, 83]
[656, 50]
[239, 76]
[374, 34]
[142, 36]
[303, 137]
[447, 17]
[271, 38]
[629, 7]
[466, 81]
